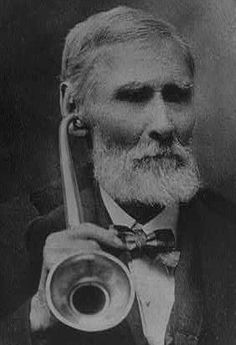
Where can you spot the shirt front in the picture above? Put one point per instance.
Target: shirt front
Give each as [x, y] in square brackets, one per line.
[154, 283]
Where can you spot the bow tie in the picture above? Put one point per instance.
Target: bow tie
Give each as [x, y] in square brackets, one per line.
[138, 242]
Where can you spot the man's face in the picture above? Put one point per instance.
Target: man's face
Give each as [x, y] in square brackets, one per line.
[142, 117]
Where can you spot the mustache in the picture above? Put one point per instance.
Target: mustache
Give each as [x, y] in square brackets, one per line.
[145, 152]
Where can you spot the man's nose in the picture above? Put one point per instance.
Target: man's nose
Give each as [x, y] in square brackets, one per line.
[160, 127]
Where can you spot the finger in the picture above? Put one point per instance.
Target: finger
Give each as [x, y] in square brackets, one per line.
[53, 256]
[103, 236]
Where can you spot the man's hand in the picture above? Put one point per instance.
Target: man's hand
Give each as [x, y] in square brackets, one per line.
[59, 245]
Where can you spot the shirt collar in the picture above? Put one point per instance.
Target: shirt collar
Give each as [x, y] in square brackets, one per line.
[166, 219]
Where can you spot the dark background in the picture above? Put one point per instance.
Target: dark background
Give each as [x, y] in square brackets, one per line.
[31, 40]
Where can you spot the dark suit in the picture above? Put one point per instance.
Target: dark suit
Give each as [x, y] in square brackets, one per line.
[204, 311]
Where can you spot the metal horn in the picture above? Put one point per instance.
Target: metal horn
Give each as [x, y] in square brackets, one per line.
[88, 291]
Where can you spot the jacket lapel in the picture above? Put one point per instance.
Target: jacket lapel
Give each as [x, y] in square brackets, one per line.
[186, 319]
[218, 262]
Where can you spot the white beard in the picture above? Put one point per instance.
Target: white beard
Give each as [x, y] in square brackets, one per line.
[129, 177]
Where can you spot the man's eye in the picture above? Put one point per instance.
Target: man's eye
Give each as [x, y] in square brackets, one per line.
[173, 93]
[139, 95]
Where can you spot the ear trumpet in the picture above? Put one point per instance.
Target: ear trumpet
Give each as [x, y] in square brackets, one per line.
[88, 291]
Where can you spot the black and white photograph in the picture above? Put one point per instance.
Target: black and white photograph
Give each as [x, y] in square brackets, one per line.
[117, 172]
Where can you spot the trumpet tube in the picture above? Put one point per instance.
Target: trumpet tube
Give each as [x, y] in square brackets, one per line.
[88, 291]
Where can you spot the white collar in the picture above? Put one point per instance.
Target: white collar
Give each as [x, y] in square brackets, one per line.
[166, 219]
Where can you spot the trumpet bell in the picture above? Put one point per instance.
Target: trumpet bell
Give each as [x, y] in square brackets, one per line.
[90, 291]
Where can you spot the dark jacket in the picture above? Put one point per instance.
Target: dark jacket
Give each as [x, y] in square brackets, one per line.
[204, 312]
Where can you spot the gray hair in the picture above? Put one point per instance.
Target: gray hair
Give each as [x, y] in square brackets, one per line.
[121, 24]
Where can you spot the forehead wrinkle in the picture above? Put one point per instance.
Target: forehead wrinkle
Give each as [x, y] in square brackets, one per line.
[164, 53]
[105, 57]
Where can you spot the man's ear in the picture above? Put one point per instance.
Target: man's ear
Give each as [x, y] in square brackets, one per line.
[67, 101]
[68, 107]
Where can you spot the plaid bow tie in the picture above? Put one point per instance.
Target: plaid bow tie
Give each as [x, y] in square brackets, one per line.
[138, 242]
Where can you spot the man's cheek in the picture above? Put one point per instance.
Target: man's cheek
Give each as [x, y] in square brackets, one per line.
[119, 136]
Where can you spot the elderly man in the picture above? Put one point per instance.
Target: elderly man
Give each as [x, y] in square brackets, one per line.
[130, 79]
